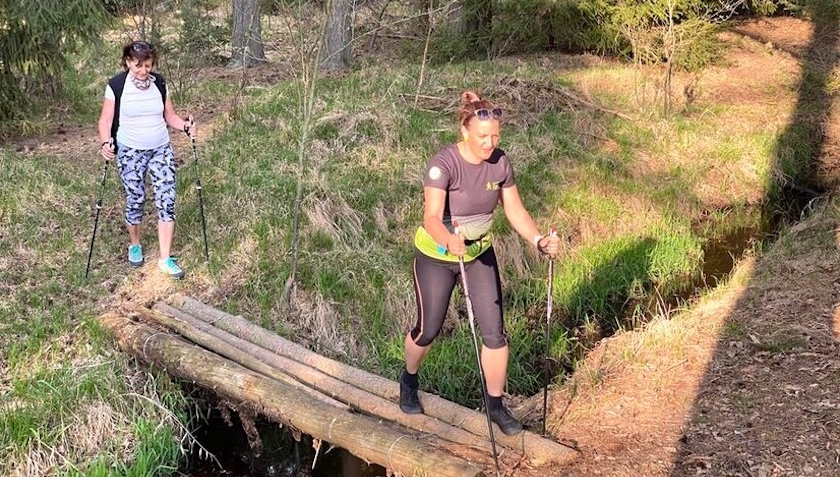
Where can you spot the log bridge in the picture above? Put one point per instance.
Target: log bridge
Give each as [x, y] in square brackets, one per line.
[324, 398]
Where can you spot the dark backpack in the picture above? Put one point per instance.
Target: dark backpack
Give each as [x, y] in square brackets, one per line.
[117, 83]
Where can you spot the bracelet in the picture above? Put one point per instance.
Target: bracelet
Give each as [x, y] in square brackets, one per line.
[104, 143]
[186, 128]
[537, 239]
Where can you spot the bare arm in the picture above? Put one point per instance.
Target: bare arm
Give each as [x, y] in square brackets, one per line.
[174, 121]
[522, 222]
[433, 205]
[106, 119]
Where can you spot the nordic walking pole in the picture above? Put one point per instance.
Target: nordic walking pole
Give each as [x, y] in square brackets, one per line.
[549, 302]
[200, 199]
[478, 358]
[98, 208]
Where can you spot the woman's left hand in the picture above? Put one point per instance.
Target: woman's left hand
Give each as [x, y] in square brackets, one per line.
[549, 245]
[191, 128]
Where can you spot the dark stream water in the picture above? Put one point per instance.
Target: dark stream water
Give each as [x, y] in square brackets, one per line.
[280, 455]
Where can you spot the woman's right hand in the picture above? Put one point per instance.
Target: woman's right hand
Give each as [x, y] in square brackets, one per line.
[455, 245]
[107, 150]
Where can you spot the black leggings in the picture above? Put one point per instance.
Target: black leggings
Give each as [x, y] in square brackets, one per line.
[434, 281]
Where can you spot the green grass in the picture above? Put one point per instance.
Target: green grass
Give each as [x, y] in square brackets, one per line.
[363, 200]
[60, 371]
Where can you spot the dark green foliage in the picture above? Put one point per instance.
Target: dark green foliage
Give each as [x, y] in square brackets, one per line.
[35, 39]
[683, 32]
[199, 36]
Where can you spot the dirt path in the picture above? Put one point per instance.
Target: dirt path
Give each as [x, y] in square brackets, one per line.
[748, 383]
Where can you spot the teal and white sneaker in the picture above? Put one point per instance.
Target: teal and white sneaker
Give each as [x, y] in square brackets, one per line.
[168, 266]
[135, 255]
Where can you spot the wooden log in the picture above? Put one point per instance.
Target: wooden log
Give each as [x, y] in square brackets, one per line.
[217, 344]
[263, 361]
[361, 435]
[538, 449]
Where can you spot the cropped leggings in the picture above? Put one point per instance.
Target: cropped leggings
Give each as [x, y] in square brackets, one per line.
[133, 164]
[434, 281]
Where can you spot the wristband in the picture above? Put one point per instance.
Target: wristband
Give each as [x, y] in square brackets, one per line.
[537, 239]
[186, 128]
[104, 143]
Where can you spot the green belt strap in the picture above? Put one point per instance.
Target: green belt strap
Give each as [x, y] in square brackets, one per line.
[427, 245]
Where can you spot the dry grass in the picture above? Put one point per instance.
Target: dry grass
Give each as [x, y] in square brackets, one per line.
[145, 287]
[513, 253]
[238, 265]
[94, 431]
[700, 369]
[37, 461]
[332, 216]
[400, 306]
[318, 322]
[97, 429]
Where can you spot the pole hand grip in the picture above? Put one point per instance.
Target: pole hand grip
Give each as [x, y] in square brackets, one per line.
[456, 231]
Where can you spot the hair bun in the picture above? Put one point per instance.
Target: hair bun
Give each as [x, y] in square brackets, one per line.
[468, 97]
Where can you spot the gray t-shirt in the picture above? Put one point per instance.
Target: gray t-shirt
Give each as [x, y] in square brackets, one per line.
[472, 190]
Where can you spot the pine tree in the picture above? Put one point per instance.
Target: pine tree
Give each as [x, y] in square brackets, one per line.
[35, 38]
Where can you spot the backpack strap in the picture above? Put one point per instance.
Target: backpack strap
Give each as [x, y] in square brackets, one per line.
[117, 84]
[160, 82]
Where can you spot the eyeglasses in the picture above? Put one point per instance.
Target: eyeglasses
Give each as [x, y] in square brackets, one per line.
[141, 46]
[485, 114]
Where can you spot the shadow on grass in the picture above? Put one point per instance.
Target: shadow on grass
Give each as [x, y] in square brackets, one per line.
[763, 405]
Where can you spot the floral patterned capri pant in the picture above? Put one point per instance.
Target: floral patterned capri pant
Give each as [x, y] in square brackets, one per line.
[133, 164]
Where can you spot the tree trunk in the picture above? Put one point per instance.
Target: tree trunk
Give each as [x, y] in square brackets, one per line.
[539, 450]
[336, 51]
[246, 42]
[363, 436]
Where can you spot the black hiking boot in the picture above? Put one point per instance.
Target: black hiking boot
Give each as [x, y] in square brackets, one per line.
[506, 422]
[409, 400]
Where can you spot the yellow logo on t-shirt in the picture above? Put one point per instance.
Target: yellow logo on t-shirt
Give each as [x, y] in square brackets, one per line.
[492, 186]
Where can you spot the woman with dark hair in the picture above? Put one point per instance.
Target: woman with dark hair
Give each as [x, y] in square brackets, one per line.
[133, 124]
[463, 184]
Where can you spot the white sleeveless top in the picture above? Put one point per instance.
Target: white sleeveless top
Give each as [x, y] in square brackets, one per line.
[141, 117]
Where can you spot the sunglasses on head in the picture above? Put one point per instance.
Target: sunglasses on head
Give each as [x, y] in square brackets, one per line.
[140, 46]
[485, 114]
